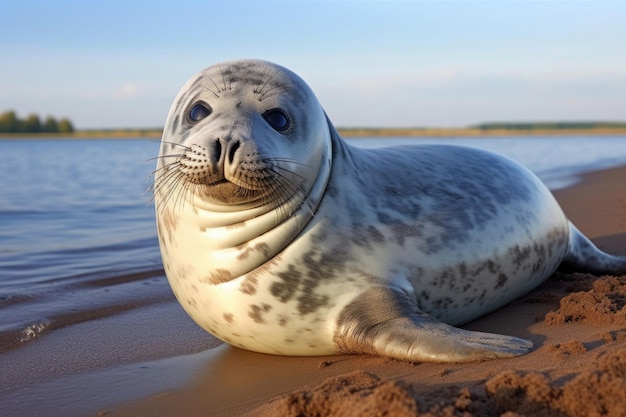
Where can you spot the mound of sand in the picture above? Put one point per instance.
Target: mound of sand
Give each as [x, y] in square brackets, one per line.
[597, 389]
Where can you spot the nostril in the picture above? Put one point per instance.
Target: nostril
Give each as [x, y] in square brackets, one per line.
[233, 149]
[217, 151]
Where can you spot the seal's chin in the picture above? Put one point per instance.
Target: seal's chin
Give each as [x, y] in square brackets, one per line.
[227, 192]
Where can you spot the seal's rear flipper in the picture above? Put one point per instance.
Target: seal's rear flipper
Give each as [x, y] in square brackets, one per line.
[584, 256]
[385, 322]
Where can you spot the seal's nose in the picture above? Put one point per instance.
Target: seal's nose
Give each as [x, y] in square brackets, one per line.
[232, 150]
[215, 154]
[222, 154]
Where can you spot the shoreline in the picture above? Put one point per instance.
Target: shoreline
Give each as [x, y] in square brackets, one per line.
[354, 133]
[155, 361]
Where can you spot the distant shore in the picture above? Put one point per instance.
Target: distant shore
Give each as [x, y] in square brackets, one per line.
[476, 132]
[349, 132]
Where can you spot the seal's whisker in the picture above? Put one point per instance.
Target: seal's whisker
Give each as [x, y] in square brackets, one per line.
[289, 188]
[223, 78]
[287, 160]
[156, 158]
[178, 192]
[172, 181]
[265, 93]
[276, 195]
[149, 189]
[209, 89]
[261, 86]
[245, 193]
[288, 179]
[284, 192]
[290, 172]
[183, 190]
[288, 191]
[176, 161]
[165, 196]
[187, 148]
[163, 169]
[285, 180]
[283, 168]
[279, 196]
[160, 176]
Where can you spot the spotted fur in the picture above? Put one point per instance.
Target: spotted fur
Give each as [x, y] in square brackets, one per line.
[293, 242]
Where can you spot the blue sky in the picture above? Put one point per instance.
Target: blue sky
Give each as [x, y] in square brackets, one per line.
[371, 63]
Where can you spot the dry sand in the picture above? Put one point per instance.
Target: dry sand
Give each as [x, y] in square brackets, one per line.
[577, 368]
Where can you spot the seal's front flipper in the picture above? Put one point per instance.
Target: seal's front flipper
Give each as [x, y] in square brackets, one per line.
[385, 322]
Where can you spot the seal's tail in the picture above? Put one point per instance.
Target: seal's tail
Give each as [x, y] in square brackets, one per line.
[584, 256]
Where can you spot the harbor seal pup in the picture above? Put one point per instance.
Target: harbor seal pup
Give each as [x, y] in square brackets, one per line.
[279, 237]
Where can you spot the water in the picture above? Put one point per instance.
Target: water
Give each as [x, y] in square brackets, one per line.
[74, 199]
[77, 231]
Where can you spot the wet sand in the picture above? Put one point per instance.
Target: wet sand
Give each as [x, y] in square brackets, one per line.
[154, 361]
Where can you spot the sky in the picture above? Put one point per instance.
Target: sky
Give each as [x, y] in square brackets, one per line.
[119, 64]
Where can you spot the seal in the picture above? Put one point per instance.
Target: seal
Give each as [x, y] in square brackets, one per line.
[279, 237]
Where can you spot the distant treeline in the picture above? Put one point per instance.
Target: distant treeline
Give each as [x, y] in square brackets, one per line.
[550, 125]
[10, 123]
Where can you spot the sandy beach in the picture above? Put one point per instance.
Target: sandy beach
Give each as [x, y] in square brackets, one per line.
[154, 361]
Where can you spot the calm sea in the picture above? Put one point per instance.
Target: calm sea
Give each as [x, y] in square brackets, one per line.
[77, 232]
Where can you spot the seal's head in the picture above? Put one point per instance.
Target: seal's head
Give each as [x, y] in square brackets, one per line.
[243, 164]
[242, 134]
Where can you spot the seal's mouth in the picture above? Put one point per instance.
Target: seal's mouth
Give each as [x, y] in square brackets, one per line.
[228, 192]
[251, 180]
[226, 186]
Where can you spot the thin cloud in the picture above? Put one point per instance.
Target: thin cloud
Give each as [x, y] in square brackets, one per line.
[127, 91]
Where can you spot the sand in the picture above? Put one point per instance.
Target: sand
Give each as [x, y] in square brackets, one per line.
[155, 362]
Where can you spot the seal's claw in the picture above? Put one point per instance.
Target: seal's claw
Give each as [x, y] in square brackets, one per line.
[471, 346]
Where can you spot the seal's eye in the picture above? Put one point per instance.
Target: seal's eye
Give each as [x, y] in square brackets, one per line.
[198, 112]
[277, 119]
